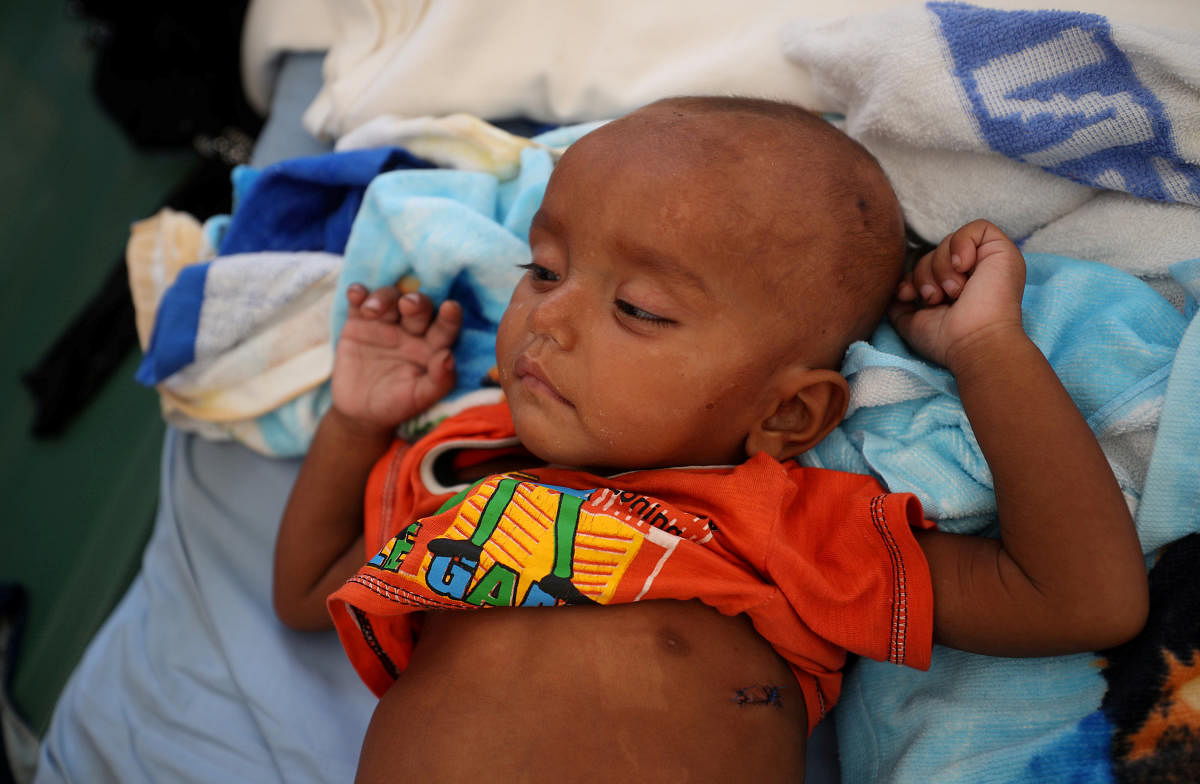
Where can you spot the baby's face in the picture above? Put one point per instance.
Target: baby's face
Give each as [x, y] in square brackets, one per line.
[641, 335]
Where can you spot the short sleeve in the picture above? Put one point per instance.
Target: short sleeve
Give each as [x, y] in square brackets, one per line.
[845, 558]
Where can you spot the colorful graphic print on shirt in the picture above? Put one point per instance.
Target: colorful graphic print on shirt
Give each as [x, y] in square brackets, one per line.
[515, 542]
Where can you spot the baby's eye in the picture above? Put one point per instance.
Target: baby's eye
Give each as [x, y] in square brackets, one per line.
[539, 273]
[629, 309]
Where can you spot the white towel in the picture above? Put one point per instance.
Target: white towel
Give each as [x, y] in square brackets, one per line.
[1035, 129]
[555, 62]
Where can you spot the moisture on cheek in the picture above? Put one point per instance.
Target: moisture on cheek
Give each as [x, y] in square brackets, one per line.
[601, 429]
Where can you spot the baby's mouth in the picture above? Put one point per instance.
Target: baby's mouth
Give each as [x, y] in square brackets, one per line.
[531, 375]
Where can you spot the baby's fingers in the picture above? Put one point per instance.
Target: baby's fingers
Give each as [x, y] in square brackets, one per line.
[927, 275]
[948, 270]
[379, 304]
[906, 292]
[416, 313]
[445, 327]
[941, 275]
[963, 246]
[419, 319]
[437, 381]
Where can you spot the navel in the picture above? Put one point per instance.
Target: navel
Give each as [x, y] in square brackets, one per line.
[673, 642]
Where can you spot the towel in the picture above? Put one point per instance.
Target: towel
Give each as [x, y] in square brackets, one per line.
[459, 141]
[1110, 338]
[248, 385]
[555, 62]
[462, 235]
[1079, 718]
[305, 203]
[158, 248]
[1076, 134]
[1092, 123]
[242, 344]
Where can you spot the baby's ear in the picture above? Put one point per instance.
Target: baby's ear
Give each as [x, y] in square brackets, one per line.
[811, 403]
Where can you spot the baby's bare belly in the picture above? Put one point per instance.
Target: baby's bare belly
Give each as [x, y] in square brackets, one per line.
[657, 691]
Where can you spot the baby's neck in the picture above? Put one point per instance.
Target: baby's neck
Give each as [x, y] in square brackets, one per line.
[466, 466]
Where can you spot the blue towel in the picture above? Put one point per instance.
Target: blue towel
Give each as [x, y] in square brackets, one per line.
[1117, 346]
[1054, 89]
[173, 341]
[462, 235]
[1109, 336]
[305, 203]
[1029, 112]
[302, 204]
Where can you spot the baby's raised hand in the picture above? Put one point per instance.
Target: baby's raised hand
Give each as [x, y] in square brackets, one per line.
[393, 359]
[965, 292]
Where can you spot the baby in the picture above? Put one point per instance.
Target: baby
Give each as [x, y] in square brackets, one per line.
[698, 269]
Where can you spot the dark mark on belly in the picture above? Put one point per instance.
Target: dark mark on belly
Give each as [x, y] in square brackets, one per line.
[759, 695]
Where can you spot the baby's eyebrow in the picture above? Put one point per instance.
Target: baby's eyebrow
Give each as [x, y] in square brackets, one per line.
[661, 264]
[544, 221]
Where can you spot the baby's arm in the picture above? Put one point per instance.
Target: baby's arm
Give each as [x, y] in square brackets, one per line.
[393, 361]
[1067, 574]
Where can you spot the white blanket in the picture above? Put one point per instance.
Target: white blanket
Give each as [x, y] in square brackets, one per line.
[566, 61]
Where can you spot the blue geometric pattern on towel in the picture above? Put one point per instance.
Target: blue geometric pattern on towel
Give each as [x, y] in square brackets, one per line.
[1053, 89]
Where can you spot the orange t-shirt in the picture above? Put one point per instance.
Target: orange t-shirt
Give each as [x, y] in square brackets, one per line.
[823, 562]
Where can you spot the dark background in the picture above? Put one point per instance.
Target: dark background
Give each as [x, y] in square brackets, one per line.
[98, 129]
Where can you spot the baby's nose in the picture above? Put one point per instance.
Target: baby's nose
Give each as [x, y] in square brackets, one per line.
[557, 314]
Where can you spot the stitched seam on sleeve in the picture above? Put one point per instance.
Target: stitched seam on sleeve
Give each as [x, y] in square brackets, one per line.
[898, 634]
[368, 634]
[389, 494]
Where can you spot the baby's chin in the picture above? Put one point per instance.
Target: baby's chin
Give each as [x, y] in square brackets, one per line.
[561, 452]
[558, 443]
[555, 455]
[605, 462]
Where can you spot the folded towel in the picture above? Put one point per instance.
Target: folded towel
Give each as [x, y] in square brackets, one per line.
[241, 335]
[222, 396]
[1076, 133]
[968, 107]
[459, 141]
[556, 62]
[242, 345]
[1110, 338]
[158, 248]
[305, 203]
[462, 235]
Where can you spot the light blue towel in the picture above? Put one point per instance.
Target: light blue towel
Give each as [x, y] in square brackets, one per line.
[1109, 336]
[458, 234]
[1116, 344]
[1057, 91]
[463, 235]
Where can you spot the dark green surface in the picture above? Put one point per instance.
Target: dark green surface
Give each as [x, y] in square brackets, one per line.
[77, 510]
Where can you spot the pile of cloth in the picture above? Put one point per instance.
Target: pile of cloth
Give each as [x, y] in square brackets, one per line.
[1072, 132]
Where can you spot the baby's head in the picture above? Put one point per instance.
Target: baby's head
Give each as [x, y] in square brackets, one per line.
[699, 268]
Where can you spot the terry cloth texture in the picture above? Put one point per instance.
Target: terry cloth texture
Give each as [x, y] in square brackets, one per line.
[1078, 134]
[798, 550]
[242, 343]
[1083, 128]
[458, 141]
[557, 62]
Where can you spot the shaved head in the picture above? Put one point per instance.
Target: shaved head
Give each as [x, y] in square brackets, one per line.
[800, 204]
